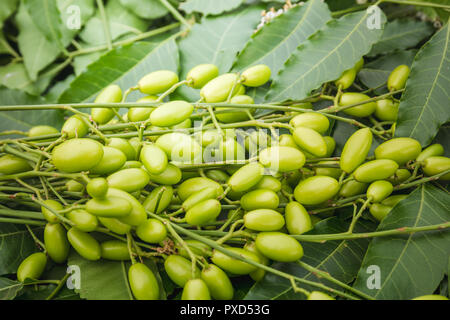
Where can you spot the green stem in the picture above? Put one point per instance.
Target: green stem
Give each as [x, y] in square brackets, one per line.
[58, 287]
[419, 4]
[105, 23]
[175, 13]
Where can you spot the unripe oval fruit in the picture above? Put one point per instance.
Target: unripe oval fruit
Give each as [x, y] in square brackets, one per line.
[375, 170]
[32, 267]
[180, 147]
[435, 150]
[346, 79]
[268, 183]
[218, 283]
[279, 246]
[11, 164]
[256, 76]
[379, 190]
[137, 214]
[399, 176]
[287, 140]
[110, 207]
[203, 212]
[124, 146]
[246, 177]
[379, 211]
[328, 171]
[84, 244]
[233, 265]
[352, 188]
[312, 120]
[152, 231]
[263, 220]
[171, 113]
[317, 295]
[153, 158]
[260, 199]
[77, 155]
[331, 145]
[83, 220]
[163, 194]
[143, 282]
[129, 180]
[218, 89]
[359, 65]
[310, 141]
[157, 82]
[111, 94]
[236, 115]
[197, 247]
[138, 114]
[386, 110]
[397, 78]
[315, 190]
[431, 297]
[195, 289]
[350, 98]
[56, 243]
[282, 159]
[115, 225]
[115, 250]
[49, 215]
[38, 131]
[297, 218]
[199, 196]
[113, 159]
[193, 185]
[179, 269]
[435, 165]
[97, 188]
[201, 74]
[74, 127]
[401, 150]
[218, 175]
[170, 176]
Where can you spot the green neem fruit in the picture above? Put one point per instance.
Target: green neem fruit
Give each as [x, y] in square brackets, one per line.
[153, 158]
[330, 172]
[171, 113]
[401, 150]
[77, 155]
[356, 150]
[397, 78]
[74, 127]
[124, 146]
[199, 196]
[310, 140]
[359, 65]
[197, 247]
[435, 165]
[56, 243]
[110, 207]
[346, 79]
[431, 297]
[161, 197]
[115, 225]
[379, 211]
[138, 114]
[218, 89]
[137, 214]
[233, 265]
[209, 137]
[179, 269]
[379, 190]
[114, 250]
[74, 186]
[218, 283]
[193, 185]
[152, 231]
[84, 244]
[203, 212]
[331, 145]
[363, 110]
[375, 170]
[157, 82]
[298, 220]
[182, 125]
[97, 187]
[111, 94]
[43, 130]
[392, 201]
[195, 289]
[386, 110]
[201, 75]
[263, 220]
[312, 120]
[352, 188]
[279, 246]
[399, 176]
[315, 190]
[113, 160]
[246, 177]
[228, 150]
[435, 150]
[180, 147]
[48, 214]
[83, 220]
[268, 183]
[217, 175]
[170, 176]
[132, 164]
[32, 267]
[259, 273]
[260, 199]
[282, 159]
[143, 282]
[287, 140]
[129, 180]
[317, 295]
[256, 76]
[236, 115]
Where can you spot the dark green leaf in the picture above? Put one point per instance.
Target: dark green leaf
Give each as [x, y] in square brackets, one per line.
[274, 43]
[209, 7]
[9, 288]
[15, 76]
[325, 56]
[6, 9]
[410, 265]
[424, 104]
